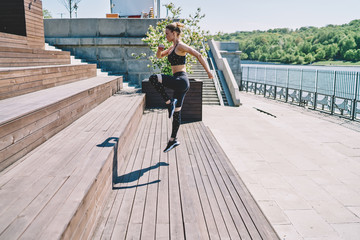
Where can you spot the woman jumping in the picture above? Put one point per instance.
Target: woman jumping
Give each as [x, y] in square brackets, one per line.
[179, 82]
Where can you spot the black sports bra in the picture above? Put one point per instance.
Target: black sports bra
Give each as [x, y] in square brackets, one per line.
[175, 59]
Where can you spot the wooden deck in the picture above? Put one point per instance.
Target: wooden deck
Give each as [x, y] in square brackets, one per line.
[192, 192]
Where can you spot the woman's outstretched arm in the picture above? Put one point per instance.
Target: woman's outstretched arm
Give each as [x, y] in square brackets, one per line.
[199, 57]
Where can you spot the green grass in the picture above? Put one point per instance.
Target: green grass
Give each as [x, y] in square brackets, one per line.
[336, 63]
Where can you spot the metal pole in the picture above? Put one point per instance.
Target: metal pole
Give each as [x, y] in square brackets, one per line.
[355, 97]
[300, 90]
[247, 81]
[333, 96]
[265, 83]
[241, 78]
[70, 8]
[158, 8]
[316, 83]
[255, 80]
[287, 86]
[275, 89]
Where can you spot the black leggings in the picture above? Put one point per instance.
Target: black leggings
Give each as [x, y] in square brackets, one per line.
[180, 84]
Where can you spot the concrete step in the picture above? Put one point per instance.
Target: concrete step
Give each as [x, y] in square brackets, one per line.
[28, 120]
[209, 93]
[76, 61]
[211, 103]
[210, 97]
[209, 89]
[16, 81]
[59, 190]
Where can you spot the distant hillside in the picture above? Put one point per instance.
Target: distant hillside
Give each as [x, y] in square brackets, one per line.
[301, 46]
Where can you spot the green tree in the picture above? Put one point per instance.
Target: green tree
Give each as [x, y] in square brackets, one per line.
[320, 54]
[346, 44]
[311, 43]
[357, 55]
[46, 14]
[244, 56]
[350, 55]
[309, 58]
[331, 51]
[300, 60]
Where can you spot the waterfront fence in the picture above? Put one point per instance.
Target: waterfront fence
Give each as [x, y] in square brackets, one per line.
[332, 91]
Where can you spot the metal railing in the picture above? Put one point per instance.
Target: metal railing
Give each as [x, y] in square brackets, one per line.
[332, 91]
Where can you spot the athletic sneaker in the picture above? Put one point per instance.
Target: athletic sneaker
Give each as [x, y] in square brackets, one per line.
[171, 107]
[171, 145]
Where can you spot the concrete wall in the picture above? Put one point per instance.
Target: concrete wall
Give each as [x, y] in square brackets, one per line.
[107, 42]
[224, 66]
[230, 51]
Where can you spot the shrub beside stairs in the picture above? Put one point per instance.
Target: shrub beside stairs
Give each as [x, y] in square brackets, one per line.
[62, 124]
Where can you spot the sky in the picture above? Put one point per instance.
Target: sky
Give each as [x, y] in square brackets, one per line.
[229, 16]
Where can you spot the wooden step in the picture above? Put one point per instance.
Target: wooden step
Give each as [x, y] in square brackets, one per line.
[28, 120]
[12, 40]
[59, 189]
[22, 80]
[18, 57]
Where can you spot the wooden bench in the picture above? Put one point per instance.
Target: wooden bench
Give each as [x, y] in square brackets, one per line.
[59, 189]
[28, 120]
[192, 107]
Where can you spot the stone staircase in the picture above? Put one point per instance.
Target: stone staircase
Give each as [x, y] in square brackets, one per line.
[209, 95]
[62, 124]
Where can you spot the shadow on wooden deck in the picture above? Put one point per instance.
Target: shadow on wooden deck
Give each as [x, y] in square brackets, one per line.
[191, 192]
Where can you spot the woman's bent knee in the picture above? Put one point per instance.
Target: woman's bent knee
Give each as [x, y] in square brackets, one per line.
[153, 79]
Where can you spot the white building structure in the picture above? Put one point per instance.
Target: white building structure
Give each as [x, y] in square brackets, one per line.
[134, 8]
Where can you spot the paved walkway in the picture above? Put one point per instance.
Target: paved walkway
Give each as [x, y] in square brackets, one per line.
[301, 166]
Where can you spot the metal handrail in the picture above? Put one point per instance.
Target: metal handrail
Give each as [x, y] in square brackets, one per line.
[327, 90]
[215, 79]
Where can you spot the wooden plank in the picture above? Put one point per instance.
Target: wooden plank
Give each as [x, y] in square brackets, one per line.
[175, 207]
[136, 219]
[45, 71]
[129, 191]
[148, 230]
[194, 221]
[120, 169]
[201, 191]
[27, 171]
[263, 226]
[4, 174]
[195, 193]
[211, 195]
[242, 228]
[162, 209]
[62, 122]
[37, 175]
[30, 212]
[91, 169]
[25, 121]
